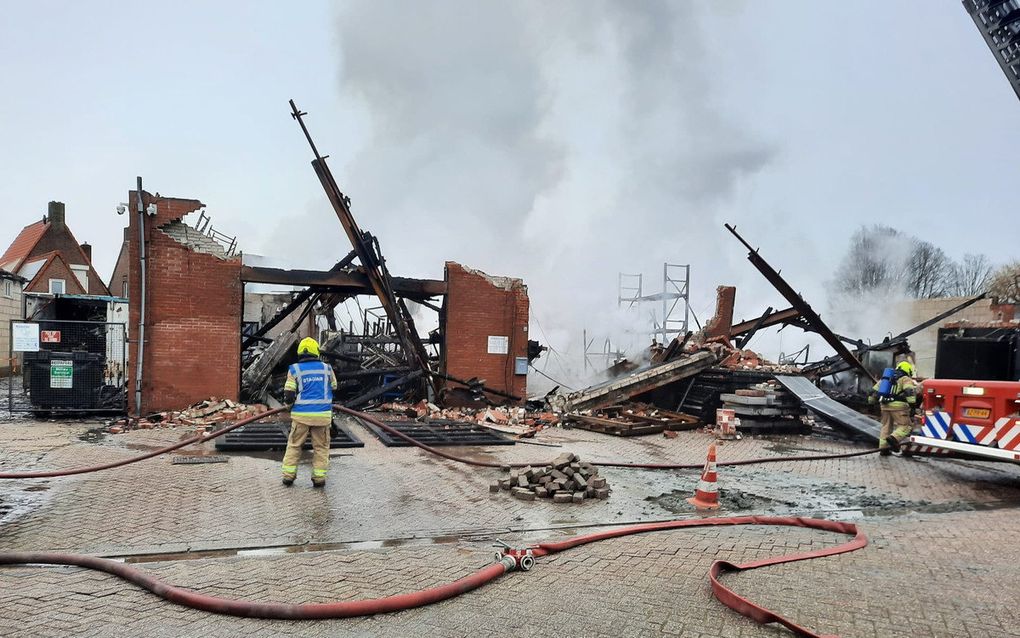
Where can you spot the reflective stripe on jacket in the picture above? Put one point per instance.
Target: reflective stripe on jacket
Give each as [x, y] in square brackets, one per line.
[313, 381]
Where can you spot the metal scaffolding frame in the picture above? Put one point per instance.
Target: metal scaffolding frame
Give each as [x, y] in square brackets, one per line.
[676, 289]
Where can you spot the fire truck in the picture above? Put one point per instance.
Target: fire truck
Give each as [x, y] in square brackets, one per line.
[973, 417]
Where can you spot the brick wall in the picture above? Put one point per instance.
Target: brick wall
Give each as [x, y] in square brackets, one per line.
[478, 306]
[56, 269]
[10, 308]
[193, 320]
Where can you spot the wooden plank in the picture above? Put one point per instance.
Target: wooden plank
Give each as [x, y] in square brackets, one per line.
[614, 427]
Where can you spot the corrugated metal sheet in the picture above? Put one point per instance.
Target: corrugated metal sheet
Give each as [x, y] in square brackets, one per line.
[833, 411]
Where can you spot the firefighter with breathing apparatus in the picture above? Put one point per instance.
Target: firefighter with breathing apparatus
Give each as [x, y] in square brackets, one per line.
[309, 392]
[896, 394]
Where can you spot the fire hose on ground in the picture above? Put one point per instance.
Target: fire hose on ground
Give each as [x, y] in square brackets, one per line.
[201, 438]
[510, 561]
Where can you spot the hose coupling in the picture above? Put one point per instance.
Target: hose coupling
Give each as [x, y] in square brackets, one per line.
[514, 558]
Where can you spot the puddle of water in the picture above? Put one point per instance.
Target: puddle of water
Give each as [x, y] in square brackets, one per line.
[15, 506]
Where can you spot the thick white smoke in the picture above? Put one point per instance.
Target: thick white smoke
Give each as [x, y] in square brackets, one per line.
[558, 142]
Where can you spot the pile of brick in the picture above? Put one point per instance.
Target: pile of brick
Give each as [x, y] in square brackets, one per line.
[203, 414]
[512, 420]
[565, 480]
[735, 359]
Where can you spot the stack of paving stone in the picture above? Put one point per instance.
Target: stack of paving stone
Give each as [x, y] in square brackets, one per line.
[565, 480]
[766, 408]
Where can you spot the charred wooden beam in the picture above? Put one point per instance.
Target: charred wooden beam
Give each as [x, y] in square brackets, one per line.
[806, 311]
[369, 254]
[742, 341]
[284, 312]
[294, 303]
[353, 282]
[790, 315]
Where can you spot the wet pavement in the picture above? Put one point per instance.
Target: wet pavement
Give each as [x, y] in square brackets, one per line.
[231, 528]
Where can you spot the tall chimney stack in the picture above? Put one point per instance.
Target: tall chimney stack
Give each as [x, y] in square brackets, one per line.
[55, 214]
[87, 249]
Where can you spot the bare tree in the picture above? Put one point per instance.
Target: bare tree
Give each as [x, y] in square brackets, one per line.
[929, 271]
[884, 260]
[1004, 283]
[872, 261]
[971, 276]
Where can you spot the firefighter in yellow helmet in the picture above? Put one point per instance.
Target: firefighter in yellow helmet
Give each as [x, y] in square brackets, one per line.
[309, 392]
[897, 406]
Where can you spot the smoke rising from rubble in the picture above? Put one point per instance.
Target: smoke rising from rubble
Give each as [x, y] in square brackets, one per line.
[561, 143]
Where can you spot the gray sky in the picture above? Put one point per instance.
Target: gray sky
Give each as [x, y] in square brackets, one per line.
[558, 142]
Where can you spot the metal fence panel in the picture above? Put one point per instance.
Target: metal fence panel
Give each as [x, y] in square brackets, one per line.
[79, 366]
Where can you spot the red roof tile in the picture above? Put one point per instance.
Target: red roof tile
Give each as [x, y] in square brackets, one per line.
[23, 244]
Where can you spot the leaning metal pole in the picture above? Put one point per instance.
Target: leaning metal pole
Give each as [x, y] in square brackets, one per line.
[806, 312]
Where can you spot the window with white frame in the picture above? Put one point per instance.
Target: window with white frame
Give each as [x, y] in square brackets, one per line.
[56, 286]
[81, 273]
[8, 288]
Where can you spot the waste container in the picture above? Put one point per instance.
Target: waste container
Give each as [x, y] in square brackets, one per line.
[64, 380]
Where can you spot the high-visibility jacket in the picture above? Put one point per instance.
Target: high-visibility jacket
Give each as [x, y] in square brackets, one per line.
[314, 382]
[904, 394]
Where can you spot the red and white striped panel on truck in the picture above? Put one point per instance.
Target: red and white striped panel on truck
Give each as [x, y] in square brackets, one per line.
[1005, 432]
[1008, 433]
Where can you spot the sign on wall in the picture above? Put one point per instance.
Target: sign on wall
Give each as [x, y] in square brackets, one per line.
[61, 374]
[499, 345]
[25, 337]
[49, 336]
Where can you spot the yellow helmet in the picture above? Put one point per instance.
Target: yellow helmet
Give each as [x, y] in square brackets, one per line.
[308, 346]
[906, 368]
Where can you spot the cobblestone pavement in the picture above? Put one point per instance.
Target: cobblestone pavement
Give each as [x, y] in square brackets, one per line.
[393, 520]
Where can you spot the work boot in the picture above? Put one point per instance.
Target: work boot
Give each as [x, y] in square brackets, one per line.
[288, 481]
[893, 443]
[321, 483]
[884, 452]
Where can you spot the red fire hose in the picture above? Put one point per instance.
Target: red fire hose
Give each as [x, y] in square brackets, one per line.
[198, 438]
[485, 575]
[394, 432]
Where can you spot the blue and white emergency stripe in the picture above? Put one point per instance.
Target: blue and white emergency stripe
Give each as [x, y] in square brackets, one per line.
[313, 381]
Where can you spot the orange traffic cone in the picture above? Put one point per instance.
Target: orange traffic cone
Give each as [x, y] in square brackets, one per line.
[706, 497]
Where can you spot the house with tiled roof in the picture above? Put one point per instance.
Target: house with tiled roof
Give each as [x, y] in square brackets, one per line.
[52, 261]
